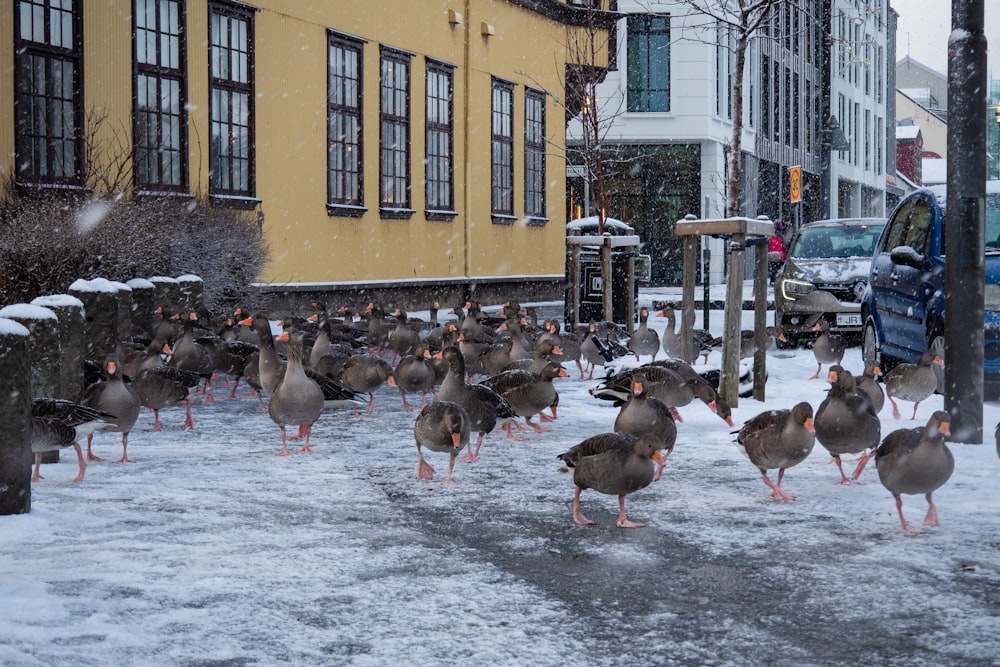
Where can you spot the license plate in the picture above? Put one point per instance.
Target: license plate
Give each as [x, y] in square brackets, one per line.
[848, 319]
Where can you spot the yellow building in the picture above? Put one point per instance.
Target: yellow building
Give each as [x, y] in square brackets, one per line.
[404, 145]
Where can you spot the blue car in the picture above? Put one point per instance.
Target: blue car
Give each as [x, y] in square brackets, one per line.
[903, 305]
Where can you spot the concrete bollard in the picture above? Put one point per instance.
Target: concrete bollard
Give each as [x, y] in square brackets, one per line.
[100, 307]
[69, 310]
[43, 339]
[143, 306]
[168, 294]
[192, 290]
[123, 303]
[15, 415]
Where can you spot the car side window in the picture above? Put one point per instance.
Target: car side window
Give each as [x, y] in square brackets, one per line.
[896, 228]
[918, 234]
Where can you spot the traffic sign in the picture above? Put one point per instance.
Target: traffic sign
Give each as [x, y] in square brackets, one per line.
[795, 184]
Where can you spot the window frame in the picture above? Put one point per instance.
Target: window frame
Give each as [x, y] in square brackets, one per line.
[439, 179]
[502, 152]
[534, 157]
[239, 196]
[352, 204]
[159, 72]
[395, 202]
[29, 145]
[639, 93]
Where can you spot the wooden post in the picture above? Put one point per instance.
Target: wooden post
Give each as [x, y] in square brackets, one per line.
[729, 381]
[760, 317]
[575, 286]
[607, 281]
[15, 415]
[192, 290]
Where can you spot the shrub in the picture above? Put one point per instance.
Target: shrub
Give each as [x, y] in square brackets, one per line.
[49, 240]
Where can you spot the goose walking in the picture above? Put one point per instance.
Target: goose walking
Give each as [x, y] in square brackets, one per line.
[778, 439]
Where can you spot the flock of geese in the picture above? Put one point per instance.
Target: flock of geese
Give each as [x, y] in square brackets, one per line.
[489, 370]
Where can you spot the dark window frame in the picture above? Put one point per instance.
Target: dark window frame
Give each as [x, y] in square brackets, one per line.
[439, 165]
[502, 152]
[345, 182]
[534, 157]
[395, 195]
[153, 154]
[36, 121]
[646, 36]
[222, 187]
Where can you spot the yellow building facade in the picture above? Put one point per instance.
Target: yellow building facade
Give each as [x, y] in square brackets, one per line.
[402, 143]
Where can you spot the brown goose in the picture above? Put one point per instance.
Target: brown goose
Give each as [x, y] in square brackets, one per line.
[672, 345]
[441, 426]
[846, 422]
[615, 464]
[594, 350]
[546, 350]
[569, 345]
[483, 405]
[112, 396]
[828, 348]
[916, 460]
[404, 337]
[912, 382]
[528, 393]
[644, 340]
[364, 373]
[190, 355]
[297, 399]
[57, 424]
[778, 439]
[269, 364]
[643, 414]
[415, 372]
[496, 357]
[162, 386]
[870, 385]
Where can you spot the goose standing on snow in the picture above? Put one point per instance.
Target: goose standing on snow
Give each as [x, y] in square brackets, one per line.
[912, 382]
[846, 422]
[113, 397]
[615, 464]
[644, 340]
[483, 405]
[868, 383]
[643, 414]
[57, 424]
[916, 460]
[297, 399]
[828, 348]
[441, 426]
[778, 439]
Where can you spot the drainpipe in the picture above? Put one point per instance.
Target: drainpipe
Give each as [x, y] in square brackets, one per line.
[467, 142]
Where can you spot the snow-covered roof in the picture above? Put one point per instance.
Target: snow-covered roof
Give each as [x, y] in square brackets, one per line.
[907, 131]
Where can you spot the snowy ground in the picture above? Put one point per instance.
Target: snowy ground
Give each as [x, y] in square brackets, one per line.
[210, 550]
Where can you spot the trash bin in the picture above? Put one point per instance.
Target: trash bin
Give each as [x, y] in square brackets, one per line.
[590, 290]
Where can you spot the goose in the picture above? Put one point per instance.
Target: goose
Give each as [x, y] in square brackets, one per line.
[644, 340]
[828, 348]
[404, 337]
[846, 422]
[415, 372]
[916, 460]
[161, 386]
[870, 385]
[297, 399]
[190, 355]
[57, 424]
[113, 397]
[912, 382]
[643, 414]
[778, 439]
[595, 351]
[528, 393]
[483, 405]
[614, 464]
[441, 426]
[364, 374]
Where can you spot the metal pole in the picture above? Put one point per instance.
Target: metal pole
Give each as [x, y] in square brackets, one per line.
[966, 213]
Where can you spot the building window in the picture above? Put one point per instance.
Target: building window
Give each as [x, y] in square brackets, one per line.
[231, 135]
[345, 192]
[534, 155]
[439, 179]
[394, 135]
[502, 152]
[48, 102]
[160, 91]
[648, 63]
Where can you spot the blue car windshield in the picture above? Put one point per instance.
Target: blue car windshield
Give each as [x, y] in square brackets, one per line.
[836, 241]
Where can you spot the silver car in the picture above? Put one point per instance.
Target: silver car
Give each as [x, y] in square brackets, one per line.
[824, 277]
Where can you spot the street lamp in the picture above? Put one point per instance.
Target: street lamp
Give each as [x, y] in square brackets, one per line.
[831, 138]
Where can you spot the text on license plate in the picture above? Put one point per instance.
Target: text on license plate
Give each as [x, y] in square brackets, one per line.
[848, 319]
